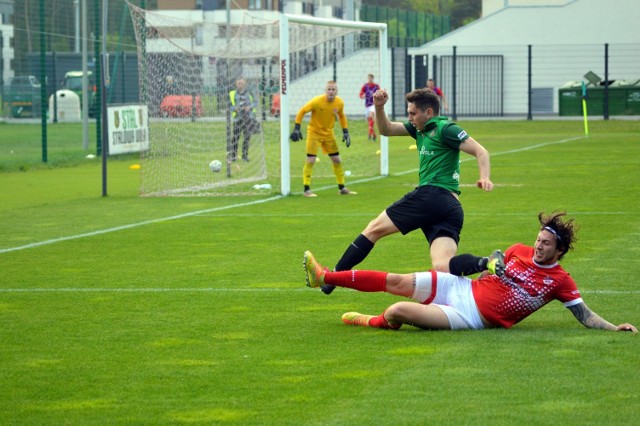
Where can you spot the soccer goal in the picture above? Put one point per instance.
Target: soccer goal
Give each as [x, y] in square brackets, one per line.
[221, 94]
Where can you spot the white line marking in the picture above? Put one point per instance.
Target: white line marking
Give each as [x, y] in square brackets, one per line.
[143, 290]
[213, 290]
[513, 151]
[368, 214]
[135, 225]
[195, 213]
[540, 145]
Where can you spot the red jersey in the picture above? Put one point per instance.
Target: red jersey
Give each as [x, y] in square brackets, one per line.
[524, 288]
[438, 91]
[367, 91]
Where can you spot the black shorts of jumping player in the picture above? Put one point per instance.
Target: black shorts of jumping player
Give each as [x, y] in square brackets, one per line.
[434, 210]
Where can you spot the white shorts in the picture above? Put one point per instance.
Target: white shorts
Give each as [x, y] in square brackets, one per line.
[453, 295]
[369, 110]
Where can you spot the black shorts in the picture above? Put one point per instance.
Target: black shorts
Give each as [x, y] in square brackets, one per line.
[433, 209]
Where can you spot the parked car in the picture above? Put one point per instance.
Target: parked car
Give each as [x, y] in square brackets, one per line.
[22, 97]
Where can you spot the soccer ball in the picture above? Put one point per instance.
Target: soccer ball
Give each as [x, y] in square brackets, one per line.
[215, 166]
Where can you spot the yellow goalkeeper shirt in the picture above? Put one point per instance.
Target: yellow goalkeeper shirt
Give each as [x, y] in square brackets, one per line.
[323, 115]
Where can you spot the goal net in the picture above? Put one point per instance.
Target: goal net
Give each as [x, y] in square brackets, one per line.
[227, 94]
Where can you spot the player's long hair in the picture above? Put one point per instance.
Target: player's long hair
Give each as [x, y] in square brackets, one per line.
[424, 98]
[564, 231]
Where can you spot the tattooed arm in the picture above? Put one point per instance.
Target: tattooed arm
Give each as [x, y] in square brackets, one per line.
[590, 319]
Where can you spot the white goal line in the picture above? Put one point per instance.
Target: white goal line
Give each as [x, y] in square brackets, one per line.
[217, 290]
[135, 225]
[144, 290]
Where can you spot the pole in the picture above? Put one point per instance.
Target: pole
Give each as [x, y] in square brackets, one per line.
[264, 94]
[1, 64]
[85, 81]
[228, 16]
[144, 94]
[103, 83]
[584, 109]
[454, 114]
[529, 114]
[76, 3]
[384, 78]
[54, 65]
[285, 173]
[43, 83]
[335, 64]
[98, 75]
[605, 107]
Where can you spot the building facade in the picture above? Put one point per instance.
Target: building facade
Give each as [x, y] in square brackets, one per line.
[6, 40]
[487, 67]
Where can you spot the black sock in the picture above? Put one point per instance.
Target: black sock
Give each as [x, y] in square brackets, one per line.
[467, 264]
[355, 253]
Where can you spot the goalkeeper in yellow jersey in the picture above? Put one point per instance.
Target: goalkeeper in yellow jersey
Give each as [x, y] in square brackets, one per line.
[324, 109]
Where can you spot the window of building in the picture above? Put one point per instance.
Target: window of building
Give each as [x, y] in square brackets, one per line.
[308, 8]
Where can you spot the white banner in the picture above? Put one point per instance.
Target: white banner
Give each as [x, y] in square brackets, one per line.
[128, 129]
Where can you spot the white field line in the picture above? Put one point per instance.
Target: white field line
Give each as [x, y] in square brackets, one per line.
[144, 290]
[368, 214]
[135, 225]
[214, 290]
[513, 151]
[232, 206]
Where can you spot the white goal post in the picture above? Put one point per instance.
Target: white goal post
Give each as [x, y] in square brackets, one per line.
[226, 92]
[287, 115]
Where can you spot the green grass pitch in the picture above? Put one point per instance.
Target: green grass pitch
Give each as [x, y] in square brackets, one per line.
[129, 310]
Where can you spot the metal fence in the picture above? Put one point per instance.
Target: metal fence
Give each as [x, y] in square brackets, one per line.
[489, 81]
[530, 80]
[54, 27]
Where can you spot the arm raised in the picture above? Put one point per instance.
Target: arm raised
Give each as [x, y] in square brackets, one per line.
[385, 126]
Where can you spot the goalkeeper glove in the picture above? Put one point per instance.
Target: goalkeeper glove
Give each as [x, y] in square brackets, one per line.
[296, 135]
[346, 138]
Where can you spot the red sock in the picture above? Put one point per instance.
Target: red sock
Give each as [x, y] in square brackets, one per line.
[369, 281]
[371, 131]
[381, 322]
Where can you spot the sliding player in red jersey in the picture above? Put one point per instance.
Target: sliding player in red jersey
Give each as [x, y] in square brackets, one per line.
[528, 278]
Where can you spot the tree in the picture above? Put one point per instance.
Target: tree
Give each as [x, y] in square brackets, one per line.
[396, 4]
[461, 12]
[465, 12]
[435, 7]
